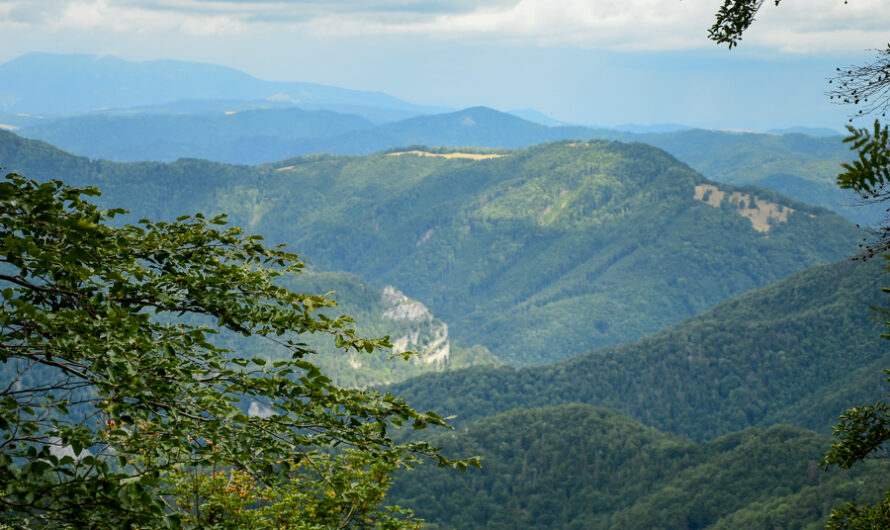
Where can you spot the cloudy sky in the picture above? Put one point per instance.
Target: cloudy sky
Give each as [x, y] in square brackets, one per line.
[600, 62]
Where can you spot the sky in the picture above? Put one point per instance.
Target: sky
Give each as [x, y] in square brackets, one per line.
[593, 62]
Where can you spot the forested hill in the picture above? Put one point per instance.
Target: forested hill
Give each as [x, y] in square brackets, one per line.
[537, 255]
[800, 166]
[579, 467]
[800, 351]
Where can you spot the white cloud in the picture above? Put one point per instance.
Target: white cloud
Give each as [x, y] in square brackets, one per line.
[797, 25]
[801, 26]
[88, 15]
[819, 26]
[120, 17]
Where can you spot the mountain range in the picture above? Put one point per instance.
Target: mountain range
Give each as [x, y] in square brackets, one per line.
[606, 242]
[800, 166]
[629, 332]
[165, 110]
[46, 83]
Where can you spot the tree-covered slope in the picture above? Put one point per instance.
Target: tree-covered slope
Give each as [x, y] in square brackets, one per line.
[800, 166]
[537, 255]
[800, 351]
[578, 466]
[556, 249]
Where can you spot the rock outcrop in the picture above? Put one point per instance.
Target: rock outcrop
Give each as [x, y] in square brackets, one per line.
[424, 334]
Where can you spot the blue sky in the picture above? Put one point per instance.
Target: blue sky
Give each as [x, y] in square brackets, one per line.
[602, 62]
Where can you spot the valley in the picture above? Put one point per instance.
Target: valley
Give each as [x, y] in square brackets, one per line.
[562, 233]
[647, 329]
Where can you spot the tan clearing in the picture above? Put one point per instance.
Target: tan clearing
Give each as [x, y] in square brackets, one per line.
[285, 168]
[760, 215]
[745, 131]
[470, 156]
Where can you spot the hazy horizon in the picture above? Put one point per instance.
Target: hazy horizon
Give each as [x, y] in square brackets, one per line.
[597, 62]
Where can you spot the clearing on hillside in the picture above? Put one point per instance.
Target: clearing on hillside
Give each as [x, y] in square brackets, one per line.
[760, 212]
[470, 156]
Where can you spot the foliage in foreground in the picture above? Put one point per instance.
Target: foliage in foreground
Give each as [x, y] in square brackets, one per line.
[111, 394]
[863, 432]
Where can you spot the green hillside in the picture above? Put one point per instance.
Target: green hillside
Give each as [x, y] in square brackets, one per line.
[800, 351]
[538, 255]
[797, 165]
[800, 166]
[578, 466]
[604, 242]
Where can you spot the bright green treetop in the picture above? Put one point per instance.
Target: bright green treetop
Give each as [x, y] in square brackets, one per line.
[113, 394]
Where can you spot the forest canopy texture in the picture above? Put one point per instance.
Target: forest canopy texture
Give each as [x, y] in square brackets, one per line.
[863, 431]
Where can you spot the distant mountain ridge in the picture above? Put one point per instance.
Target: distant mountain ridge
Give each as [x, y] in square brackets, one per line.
[276, 134]
[237, 136]
[48, 83]
[811, 131]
